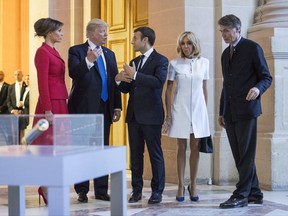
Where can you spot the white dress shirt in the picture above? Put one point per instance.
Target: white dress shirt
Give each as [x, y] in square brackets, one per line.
[18, 86]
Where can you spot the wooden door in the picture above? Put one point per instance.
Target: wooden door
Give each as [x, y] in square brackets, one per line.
[123, 16]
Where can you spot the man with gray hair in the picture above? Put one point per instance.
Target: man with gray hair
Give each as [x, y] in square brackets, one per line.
[93, 68]
[245, 78]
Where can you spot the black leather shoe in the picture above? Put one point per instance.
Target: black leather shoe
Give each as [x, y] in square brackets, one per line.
[155, 198]
[235, 202]
[104, 197]
[135, 197]
[255, 200]
[82, 197]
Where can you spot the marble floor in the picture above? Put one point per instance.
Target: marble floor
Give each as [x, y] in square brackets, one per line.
[275, 203]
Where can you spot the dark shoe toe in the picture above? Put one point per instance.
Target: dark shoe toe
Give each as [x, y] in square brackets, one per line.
[234, 202]
[155, 198]
[255, 200]
[104, 197]
[82, 197]
[135, 197]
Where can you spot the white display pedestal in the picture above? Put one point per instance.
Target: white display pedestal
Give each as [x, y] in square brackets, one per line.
[58, 167]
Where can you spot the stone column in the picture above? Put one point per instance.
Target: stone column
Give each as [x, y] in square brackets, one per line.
[40, 9]
[270, 30]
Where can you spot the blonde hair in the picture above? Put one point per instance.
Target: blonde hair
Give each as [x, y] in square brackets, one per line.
[93, 25]
[193, 39]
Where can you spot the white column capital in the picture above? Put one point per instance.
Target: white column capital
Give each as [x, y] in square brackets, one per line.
[270, 13]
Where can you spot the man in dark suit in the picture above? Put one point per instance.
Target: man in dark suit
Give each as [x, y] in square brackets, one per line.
[4, 122]
[3, 94]
[24, 104]
[15, 95]
[145, 113]
[245, 78]
[93, 69]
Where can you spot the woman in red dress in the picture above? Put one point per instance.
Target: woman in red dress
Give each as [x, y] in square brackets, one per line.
[50, 68]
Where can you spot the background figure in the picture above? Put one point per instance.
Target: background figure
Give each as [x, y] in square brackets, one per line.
[145, 113]
[15, 94]
[245, 78]
[93, 69]
[3, 94]
[24, 104]
[187, 118]
[50, 68]
[4, 122]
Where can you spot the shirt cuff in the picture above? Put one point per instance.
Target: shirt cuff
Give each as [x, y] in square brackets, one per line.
[135, 75]
[89, 64]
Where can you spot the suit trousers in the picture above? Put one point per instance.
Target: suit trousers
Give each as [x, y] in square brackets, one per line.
[138, 135]
[101, 183]
[242, 137]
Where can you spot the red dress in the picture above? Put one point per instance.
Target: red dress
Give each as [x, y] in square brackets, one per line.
[53, 93]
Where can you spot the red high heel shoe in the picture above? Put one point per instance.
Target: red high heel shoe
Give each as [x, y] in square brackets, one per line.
[41, 193]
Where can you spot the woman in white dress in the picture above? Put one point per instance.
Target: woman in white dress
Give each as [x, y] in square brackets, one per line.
[187, 118]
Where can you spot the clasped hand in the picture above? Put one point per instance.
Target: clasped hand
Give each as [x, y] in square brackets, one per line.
[93, 55]
[127, 74]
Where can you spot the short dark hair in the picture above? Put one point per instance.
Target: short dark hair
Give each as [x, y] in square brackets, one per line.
[231, 21]
[147, 32]
[44, 26]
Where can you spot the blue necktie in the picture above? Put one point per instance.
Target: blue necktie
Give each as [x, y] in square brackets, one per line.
[101, 67]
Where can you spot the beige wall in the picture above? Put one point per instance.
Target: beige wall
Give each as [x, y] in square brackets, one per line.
[14, 39]
[167, 23]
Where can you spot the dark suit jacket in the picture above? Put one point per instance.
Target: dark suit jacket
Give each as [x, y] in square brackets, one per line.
[24, 121]
[86, 88]
[145, 92]
[3, 98]
[11, 99]
[246, 69]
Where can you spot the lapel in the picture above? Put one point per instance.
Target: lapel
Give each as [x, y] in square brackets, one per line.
[148, 61]
[52, 51]
[136, 61]
[107, 61]
[13, 90]
[4, 87]
[22, 90]
[12, 94]
[227, 59]
[84, 50]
